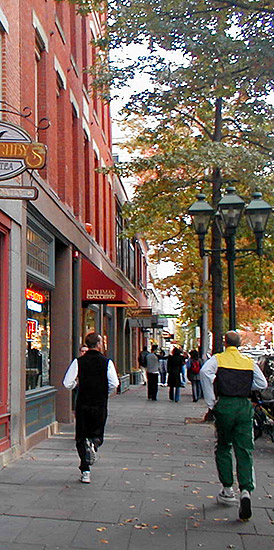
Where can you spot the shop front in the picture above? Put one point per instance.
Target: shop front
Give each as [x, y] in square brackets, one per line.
[104, 303]
[40, 395]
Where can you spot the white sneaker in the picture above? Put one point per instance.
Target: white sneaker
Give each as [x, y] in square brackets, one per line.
[227, 496]
[85, 477]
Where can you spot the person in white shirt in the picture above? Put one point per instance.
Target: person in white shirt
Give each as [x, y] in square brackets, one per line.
[95, 377]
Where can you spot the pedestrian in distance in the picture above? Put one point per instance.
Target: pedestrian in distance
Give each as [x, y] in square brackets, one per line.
[96, 377]
[233, 376]
[142, 364]
[152, 366]
[162, 367]
[193, 367]
[174, 369]
[83, 349]
[183, 374]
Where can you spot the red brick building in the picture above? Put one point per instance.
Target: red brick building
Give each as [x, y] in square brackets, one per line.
[64, 270]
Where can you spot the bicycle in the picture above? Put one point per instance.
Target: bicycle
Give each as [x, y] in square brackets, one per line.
[263, 421]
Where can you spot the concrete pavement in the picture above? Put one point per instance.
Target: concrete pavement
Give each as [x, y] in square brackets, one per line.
[153, 486]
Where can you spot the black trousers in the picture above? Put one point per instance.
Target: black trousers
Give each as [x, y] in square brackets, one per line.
[152, 385]
[90, 425]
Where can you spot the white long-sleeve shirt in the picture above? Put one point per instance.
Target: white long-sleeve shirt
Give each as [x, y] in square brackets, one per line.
[208, 375]
[70, 378]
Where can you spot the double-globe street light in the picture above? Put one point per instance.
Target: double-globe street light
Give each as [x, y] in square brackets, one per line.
[228, 215]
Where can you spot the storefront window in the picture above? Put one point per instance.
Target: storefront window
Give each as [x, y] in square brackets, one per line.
[89, 321]
[37, 338]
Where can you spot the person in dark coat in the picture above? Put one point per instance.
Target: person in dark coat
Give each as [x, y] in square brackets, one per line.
[174, 368]
[193, 366]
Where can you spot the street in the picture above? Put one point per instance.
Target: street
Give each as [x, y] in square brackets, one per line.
[153, 486]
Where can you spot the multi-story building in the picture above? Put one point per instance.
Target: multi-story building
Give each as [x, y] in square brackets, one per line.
[64, 269]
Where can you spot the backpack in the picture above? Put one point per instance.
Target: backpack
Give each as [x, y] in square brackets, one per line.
[195, 366]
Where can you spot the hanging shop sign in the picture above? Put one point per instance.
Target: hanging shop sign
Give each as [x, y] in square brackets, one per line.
[18, 192]
[18, 153]
[139, 312]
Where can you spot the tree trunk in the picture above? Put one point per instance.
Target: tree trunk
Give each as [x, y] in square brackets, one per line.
[216, 243]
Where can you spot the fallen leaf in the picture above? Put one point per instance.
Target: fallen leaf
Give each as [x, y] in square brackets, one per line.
[104, 541]
[125, 468]
[141, 526]
[221, 519]
[196, 524]
[99, 529]
[167, 510]
[210, 496]
[132, 506]
[155, 526]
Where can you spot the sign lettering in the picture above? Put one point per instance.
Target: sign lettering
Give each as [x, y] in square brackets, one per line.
[16, 145]
[18, 192]
[100, 294]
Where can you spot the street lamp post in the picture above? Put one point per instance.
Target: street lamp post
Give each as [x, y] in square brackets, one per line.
[228, 215]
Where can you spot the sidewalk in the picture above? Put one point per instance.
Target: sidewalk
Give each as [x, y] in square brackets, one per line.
[153, 487]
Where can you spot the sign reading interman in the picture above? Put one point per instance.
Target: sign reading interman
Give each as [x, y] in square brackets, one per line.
[18, 153]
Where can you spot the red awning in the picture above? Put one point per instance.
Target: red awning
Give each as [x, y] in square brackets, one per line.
[97, 287]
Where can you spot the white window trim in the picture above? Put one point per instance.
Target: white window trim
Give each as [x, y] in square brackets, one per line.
[38, 27]
[86, 129]
[4, 22]
[96, 149]
[60, 72]
[74, 103]
[85, 109]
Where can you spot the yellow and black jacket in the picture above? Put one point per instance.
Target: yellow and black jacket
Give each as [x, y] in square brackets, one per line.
[234, 375]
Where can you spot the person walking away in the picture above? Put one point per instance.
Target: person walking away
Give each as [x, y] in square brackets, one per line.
[162, 367]
[174, 369]
[233, 376]
[183, 373]
[97, 378]
[142, 364]
[193, 367]
[152, 366]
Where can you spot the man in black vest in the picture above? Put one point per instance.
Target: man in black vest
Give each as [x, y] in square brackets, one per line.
[97, 378]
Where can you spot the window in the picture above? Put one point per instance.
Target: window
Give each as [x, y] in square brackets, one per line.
[75, 152]
[97, 198]
[40, 253]
[60, 87]
[39, 82]
[73, 32]
[37, 337]
[84, 52]
[119, 242]
[87, 178]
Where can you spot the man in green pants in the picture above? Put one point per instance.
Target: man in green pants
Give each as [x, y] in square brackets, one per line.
[227, 380]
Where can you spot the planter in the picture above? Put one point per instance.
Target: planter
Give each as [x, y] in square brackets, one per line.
[124, 383]
[135, 377]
